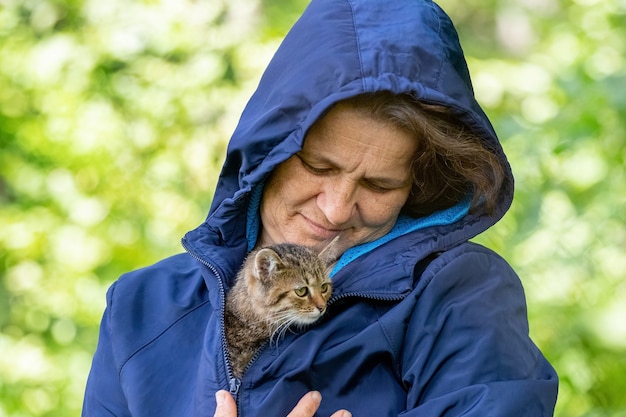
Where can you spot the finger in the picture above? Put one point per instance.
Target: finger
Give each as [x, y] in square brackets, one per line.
[307, 406]
[342, 413]
[226, 406]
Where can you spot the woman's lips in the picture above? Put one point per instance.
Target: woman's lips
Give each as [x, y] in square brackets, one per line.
[322, 232]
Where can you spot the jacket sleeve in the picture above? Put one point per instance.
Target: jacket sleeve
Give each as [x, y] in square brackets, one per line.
[103, 394]
[467, 351]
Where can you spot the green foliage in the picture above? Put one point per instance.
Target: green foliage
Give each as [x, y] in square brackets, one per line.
[114, 117]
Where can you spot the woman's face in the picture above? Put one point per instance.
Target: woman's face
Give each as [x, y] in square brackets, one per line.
[351, 179]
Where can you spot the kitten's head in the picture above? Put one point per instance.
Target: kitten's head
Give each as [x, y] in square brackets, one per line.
[294, 284]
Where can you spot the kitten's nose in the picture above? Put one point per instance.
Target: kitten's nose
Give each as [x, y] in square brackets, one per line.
[321, 308]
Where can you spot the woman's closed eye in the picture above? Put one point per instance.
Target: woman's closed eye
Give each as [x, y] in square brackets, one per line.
[317, 169]
[377, 185]
[377, 188]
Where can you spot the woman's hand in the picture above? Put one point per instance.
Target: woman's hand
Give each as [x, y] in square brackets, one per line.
[306, 407]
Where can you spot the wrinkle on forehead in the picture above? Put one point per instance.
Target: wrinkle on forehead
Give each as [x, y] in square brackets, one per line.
[360, 145]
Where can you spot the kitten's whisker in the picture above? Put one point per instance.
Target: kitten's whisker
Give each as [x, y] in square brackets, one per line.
[280, 333]
[282, 325]
[282, 315]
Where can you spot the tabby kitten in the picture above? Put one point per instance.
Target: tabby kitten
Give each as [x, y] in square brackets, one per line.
[278, 286]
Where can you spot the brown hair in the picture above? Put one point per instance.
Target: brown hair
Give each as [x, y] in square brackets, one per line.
[451, 162]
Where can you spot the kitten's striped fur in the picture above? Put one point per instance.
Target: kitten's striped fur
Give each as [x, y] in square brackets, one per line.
[278, 287]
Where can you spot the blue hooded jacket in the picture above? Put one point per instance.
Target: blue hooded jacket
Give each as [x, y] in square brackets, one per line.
[402, 336]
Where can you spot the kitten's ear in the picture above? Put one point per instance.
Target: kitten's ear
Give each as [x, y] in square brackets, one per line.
[266, 263]
[330, 253]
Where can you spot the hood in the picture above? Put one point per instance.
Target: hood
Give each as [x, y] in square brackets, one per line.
[335, 51]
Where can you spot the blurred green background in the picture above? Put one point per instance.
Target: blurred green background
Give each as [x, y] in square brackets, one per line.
[114, 117]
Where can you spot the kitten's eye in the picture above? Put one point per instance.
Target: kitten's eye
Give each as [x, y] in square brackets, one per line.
[302, 291]
[324, 288]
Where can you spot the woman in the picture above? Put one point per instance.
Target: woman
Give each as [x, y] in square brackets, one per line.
[364, 126]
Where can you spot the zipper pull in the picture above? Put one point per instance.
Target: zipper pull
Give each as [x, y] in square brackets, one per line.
[234, 385]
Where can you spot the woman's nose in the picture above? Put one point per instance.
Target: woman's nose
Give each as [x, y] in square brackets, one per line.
[337, 202]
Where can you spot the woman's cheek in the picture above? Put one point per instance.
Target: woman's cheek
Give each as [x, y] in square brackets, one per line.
[383, 209]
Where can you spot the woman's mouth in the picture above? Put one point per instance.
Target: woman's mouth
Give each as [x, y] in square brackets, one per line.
[321, 231]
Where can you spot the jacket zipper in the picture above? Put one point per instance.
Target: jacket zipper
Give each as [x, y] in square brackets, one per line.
[366, 296]
[234, 383]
